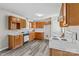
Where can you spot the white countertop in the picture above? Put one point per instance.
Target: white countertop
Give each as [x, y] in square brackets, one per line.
[13, 33]
[64, 45]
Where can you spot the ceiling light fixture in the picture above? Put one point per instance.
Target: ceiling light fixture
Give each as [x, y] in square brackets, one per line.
[39, 15]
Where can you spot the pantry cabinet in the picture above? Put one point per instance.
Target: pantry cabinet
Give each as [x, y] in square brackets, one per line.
[69, 14]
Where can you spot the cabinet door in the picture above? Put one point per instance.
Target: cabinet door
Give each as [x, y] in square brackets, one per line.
[39, 35]
[18, 41]
[32, 36]
[23, 23]
[57, 52]
[11, 22]
[40, 24]
[12, 19]
[21, 38]
[73, 14]
[11, 42]
[33, 24]
[37, 24]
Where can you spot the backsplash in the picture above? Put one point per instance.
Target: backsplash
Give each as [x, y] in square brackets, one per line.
[15, 32]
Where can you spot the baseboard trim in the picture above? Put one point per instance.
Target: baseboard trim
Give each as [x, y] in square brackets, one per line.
[4, 49]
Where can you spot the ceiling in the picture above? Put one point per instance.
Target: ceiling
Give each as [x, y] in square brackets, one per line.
[29, 10]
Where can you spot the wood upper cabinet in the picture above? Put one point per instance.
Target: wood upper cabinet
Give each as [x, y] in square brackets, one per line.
[37, 24]
[70, 14]
[33, 24]
[73, 14]
[23, 23]
[40, 24]
[11, 22]
[16, 23]
[15, 41]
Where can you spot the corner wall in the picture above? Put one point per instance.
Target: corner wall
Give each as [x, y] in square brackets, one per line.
[4, 28]
[55, 28]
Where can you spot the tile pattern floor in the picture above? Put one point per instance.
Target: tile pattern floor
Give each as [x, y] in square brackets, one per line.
[34, 48]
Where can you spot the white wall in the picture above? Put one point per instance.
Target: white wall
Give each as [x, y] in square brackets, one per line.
[4, 28]
[55, 28]
[47, 31]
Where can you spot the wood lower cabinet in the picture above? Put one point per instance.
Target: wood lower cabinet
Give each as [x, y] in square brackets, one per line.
[15, 41]
[39, 35]
[36, 36]
[32, 36]
[56, 52]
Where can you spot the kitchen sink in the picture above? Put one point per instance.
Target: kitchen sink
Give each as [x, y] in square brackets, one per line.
[64, 39]
[56, 38]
